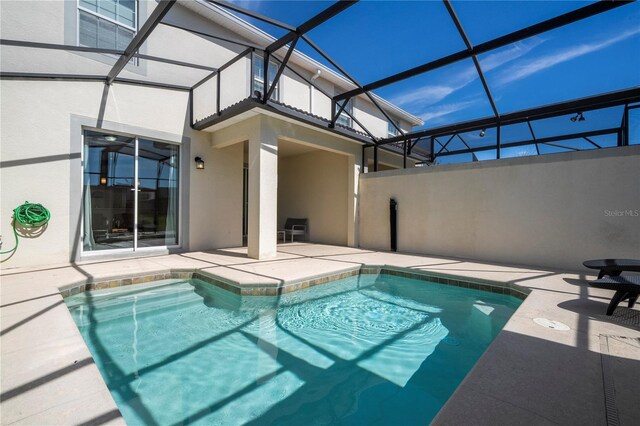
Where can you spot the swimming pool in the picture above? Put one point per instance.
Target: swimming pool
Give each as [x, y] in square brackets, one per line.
[369, 349]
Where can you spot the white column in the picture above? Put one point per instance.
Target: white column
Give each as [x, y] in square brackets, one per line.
[263, 192]
[353, 169]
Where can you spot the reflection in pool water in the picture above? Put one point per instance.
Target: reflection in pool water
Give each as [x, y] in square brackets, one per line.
[370, 349]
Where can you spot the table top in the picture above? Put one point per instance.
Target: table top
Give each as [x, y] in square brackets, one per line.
[619, 264]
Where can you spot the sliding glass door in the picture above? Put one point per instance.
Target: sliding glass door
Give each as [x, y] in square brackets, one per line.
[130, 193]
[157, 194]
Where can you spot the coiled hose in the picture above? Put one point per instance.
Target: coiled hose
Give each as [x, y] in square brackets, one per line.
[28, 215]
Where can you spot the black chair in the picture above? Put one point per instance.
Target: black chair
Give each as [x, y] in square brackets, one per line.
[626, 287]
[294, 226]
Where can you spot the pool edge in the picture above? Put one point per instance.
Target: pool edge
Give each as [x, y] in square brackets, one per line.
[498, 287]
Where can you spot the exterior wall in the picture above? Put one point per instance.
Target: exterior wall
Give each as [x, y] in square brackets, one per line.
[235, 83]
[289, 129]
[329, 174]
[215, 196]
[370, 117]
[294, 91]
[42, 123]
[315, 186]
[205, 98]
[546, 211]
[374, 120]
[41, 150]
[56, 22]
[322, 103]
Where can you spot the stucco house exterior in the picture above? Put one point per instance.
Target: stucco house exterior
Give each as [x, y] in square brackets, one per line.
[114, 163]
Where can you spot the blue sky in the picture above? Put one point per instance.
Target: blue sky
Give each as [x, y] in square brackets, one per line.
[374, 39]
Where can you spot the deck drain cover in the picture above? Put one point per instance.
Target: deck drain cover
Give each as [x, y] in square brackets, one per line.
[555, 325]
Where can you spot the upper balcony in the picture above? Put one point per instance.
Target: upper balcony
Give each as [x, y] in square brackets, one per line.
[238, 86]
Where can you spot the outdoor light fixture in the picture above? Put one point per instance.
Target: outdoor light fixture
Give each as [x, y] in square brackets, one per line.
[482, 133]
[103, 180]
[111, 138]
[199, 163]
[578, 117]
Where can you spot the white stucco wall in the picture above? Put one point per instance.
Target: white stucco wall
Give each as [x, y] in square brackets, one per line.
[54, 21]
[41, 150]
[294, 91]
[315, 186]
[205, 98]
[321, 185]
[370, 117]
[322, 103]
[42, 123]
[215, 196]
[234, 83]
[41, 126]
[544, 211]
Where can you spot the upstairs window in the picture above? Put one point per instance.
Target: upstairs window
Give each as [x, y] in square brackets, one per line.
[343, 119]
[107, 24]
[391, 129]
[258, 77]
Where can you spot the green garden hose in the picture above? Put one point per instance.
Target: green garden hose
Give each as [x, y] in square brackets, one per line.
[28, 215]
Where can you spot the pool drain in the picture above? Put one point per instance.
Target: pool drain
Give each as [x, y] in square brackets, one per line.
[554, 325]
[451, 341]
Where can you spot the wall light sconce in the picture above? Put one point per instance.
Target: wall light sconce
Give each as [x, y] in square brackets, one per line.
[199, 163]
[103, 180]
[482, 133]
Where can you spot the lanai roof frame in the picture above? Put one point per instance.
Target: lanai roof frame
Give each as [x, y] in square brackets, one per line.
[409, 139]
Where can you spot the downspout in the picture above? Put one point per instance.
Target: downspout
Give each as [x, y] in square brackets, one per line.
[312, 90]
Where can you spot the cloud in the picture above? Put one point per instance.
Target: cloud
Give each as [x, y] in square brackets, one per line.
[446, 109]
[520, 71]
[425, 94]
[494, 60]
[432, 93]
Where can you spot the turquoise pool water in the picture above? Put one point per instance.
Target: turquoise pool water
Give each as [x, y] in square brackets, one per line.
[366, 350]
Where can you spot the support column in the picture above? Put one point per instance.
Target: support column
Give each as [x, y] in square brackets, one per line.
[263, 192]
[353, 169]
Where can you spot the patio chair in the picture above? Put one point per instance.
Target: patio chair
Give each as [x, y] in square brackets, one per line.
[626, 287]
[613, 267]
[294, 226]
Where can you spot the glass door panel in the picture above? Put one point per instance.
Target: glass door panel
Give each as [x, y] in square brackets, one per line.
[157, 194]
[108, 192]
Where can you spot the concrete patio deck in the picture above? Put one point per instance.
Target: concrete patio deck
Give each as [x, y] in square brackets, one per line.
[529, 375]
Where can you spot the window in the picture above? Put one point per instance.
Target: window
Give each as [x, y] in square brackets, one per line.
[343, 119]
[391, 129]
[106, 24]
[258, 76]
[131, 192]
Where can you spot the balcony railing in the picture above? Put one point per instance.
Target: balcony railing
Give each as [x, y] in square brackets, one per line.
[228, 85]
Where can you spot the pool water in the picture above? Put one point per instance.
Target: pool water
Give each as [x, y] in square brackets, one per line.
[366, 350]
